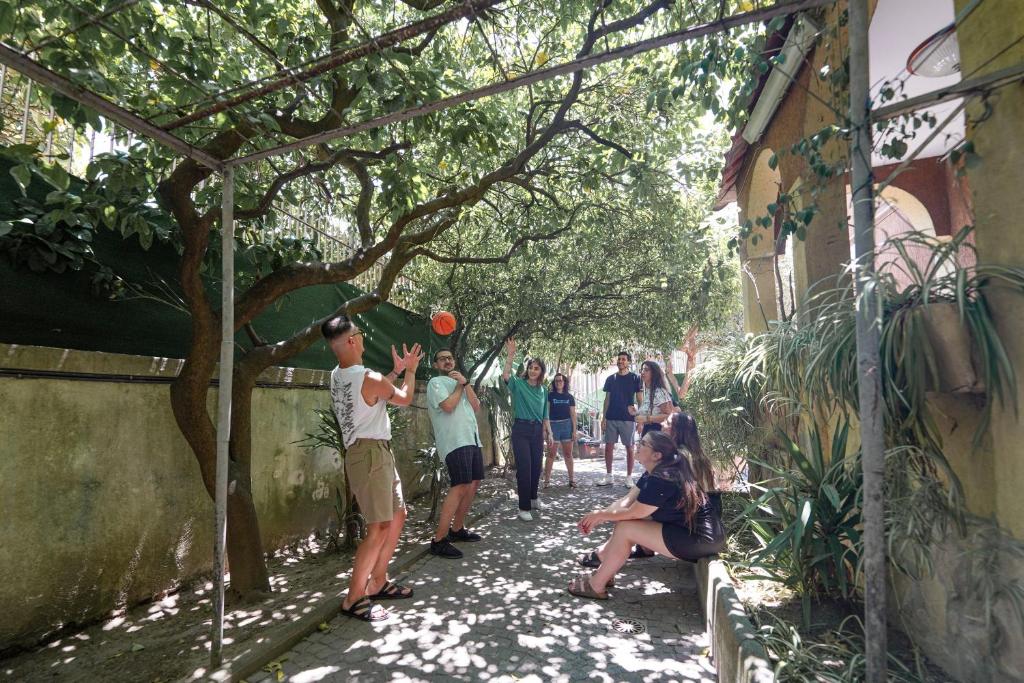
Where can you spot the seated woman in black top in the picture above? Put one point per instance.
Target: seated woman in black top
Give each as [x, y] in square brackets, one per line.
[666, 511]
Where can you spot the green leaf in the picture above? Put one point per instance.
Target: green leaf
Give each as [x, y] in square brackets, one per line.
[7, 18]
[55, 175]
[22, 175]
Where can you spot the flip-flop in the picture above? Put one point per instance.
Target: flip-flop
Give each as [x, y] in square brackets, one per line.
[573, 485]
[589, 560]
[581, 588]
[639, 553]
[392, 591]
[364, 610]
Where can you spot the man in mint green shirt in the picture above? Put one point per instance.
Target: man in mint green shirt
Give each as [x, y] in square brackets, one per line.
[452, 406]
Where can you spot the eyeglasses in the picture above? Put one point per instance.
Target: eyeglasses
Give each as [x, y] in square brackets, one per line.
[357, 333]
[441, 359]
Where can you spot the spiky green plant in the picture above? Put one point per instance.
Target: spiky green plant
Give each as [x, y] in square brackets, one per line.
[833, 657]
[807, 519]
[351, 524]
[434, 472]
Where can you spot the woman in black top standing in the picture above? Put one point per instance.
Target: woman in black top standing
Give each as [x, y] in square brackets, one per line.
[562, 414]
[666, 511]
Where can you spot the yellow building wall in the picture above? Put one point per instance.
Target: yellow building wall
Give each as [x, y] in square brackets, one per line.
[940, 612]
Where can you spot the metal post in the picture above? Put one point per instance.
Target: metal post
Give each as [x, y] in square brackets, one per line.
[24, 114]
[49, 136]
[227, 357]
[868, 339]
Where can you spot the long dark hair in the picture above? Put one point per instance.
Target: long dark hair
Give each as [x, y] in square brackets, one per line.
[526, 369]
[657, 379]
[676, 468]
[685, 437]
[565, 384]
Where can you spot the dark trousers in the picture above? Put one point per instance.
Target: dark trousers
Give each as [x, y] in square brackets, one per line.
[528, 448]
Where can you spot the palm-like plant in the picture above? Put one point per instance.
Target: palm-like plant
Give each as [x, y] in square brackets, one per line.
[815, 363]
[433, 471]
[809, 367]
[807, 519]
[328, 435]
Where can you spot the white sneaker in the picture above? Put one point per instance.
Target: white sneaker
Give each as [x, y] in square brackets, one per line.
[628, 481]
[606, 480]
[525, 516]
[535, 504]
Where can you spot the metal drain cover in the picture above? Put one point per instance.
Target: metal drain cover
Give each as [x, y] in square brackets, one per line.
[628, 626]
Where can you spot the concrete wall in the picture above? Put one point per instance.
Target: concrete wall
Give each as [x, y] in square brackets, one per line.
[102, 500]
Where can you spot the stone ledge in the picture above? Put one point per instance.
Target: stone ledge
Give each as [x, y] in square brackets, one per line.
[738, 657]
[47, 359]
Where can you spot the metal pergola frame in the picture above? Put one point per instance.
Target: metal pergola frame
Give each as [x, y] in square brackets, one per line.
[25, 64]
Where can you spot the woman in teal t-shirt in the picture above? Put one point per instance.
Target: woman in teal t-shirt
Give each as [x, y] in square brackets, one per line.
[530, 413]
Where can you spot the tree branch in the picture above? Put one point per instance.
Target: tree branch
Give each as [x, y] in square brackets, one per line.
[582, 127]
[498, 259]
[366, 190]
[343, 156]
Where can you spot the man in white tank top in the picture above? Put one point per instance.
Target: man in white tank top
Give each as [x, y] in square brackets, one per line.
[360, 397]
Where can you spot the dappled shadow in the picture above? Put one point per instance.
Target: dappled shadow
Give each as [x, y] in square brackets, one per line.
[502, 613]
[168, 638]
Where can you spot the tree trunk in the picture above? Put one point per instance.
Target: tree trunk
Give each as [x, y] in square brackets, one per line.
[244, 543]
[190, 390]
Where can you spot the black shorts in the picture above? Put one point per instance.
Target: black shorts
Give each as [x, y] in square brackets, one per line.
[465, 465]
[685, 545]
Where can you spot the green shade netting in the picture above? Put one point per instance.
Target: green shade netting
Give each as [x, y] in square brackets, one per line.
[60, 309]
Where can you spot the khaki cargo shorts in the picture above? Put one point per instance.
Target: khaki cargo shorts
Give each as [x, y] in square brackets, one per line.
[373, 478]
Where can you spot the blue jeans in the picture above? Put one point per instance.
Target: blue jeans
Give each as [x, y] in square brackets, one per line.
[561, 430]
[528, 449]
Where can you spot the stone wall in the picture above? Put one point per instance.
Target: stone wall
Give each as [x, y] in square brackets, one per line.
[102, 500]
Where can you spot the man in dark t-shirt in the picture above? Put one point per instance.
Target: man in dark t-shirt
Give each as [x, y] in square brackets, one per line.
[617, 424]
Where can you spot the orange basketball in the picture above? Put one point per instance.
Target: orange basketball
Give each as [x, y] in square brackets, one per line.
[443, 323]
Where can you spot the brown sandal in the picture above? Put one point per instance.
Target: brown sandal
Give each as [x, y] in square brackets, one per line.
[581, 588]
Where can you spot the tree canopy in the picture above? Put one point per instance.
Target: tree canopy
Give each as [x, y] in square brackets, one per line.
[588, 151]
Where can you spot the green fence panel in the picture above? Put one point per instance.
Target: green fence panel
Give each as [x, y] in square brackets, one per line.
[61, 310]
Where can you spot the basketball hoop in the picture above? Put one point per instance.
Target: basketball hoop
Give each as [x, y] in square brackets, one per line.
[937, 56]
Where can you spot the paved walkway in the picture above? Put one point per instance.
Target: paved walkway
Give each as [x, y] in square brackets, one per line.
[502, 613]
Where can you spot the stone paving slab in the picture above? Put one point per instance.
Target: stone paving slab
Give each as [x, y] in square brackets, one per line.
[502, 613]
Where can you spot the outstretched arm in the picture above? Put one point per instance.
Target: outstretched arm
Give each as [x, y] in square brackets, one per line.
[510, 352]
[377, 386]
[690, 349]
[671, 377]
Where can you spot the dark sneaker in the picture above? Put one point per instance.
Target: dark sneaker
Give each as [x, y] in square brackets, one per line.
[444, 548]
[463, 535]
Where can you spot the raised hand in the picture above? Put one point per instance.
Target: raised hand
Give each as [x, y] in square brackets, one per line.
[396, 360]
[412, 357]
[510, 346]
[668, 363]
[690, 345]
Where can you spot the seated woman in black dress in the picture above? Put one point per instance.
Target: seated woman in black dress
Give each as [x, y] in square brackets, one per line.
[667, 511]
